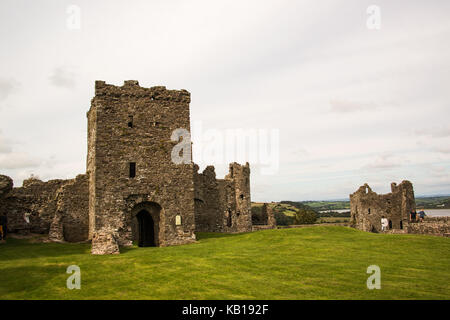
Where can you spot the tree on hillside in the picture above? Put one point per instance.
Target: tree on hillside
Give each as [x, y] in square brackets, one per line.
[304, 216]
[282, 219]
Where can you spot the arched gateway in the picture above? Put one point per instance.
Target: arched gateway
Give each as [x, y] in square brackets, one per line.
[145, 225]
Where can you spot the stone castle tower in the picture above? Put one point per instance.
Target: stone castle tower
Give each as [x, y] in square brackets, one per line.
[134, 187]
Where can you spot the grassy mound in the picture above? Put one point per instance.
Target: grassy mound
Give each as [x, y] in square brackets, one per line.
[308, 263]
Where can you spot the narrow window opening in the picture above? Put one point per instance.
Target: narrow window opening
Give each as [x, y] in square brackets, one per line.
[401, 224]
[368, 212]
[130, 121]
[132, 169]
[241, 196]
[229, 222]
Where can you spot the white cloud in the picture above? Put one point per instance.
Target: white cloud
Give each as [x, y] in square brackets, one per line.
[62, 77]
[17, 160]
[347, 106]
[7, 86]
[385, 161]
[5, 146]
[439, 131]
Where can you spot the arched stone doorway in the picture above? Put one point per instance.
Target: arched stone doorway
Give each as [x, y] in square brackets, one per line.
[145, 226]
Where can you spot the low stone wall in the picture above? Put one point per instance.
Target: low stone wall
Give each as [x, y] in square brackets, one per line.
[263, 227]
[439, 226]
[312, 225]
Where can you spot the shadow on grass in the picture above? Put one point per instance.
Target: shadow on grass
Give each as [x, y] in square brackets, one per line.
[23, 249]
[29, 278]
[210, 235]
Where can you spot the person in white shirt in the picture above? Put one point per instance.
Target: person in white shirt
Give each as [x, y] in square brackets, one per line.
[384, 223]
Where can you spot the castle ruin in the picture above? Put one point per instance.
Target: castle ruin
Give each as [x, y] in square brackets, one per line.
[367, 208]
[132, 191]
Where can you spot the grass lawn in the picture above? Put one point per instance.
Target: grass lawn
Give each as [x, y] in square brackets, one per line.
[324, 262]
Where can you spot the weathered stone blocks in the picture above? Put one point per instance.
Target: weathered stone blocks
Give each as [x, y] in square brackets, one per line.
[105, 241]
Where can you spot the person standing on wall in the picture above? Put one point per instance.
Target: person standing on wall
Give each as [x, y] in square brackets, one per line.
[421, 215]
[412, 216]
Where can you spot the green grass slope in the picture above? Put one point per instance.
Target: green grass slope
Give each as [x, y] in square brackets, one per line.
[308, 263]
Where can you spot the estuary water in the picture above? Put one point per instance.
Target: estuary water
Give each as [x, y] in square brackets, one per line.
[428, 212]
[437, 212]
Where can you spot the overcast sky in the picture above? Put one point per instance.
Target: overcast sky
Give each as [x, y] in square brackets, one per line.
[352, 104]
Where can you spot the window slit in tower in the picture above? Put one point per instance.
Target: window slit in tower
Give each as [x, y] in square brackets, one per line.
[130, 121]
[132, 169]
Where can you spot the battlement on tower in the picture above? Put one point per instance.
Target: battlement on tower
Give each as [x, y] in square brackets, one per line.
[131, 88]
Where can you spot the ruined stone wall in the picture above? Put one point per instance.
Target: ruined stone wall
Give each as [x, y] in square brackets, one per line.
[223, 205]
[58, 205]
[239, 175]
[131, 124]
[71, 220]
[6, 185]
[36, 200]
[208, 210]
[263, 218]
[368, 207]
[439, 226]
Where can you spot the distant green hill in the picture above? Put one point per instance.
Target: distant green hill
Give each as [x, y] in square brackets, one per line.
[327, 205]
[440, 202]
[427, 202]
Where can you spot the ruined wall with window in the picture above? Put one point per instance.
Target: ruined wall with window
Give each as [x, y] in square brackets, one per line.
[223, 205]
[58, 207]
[367, 207]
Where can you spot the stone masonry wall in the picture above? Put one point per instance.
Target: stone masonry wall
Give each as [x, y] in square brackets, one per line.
[223, 205]
[36, 200]
[439, 226]
[208, 208]
[264, 218]
[58, 207]
[71, 221]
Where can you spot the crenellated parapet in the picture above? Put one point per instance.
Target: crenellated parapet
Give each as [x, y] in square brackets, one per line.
[132, 89]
